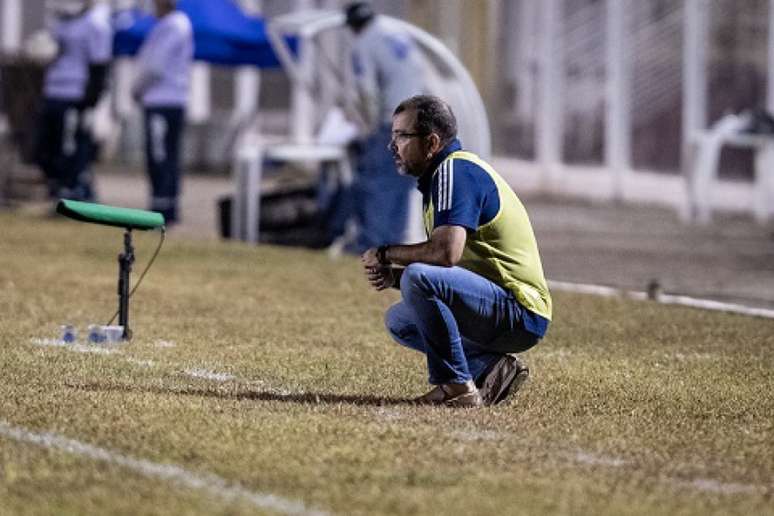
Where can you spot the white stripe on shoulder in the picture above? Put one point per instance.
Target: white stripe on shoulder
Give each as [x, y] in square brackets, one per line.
[446, 185]
[451, 185]
[441, 181]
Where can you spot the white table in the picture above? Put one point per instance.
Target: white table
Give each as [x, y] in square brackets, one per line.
[703, 169]
[248, 171]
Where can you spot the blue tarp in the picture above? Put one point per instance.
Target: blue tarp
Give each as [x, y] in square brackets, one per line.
[223, 33]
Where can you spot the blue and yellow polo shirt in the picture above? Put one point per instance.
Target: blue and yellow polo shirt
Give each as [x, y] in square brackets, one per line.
[462, 190]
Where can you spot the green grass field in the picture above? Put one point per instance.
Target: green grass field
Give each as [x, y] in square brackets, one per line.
[260, 381]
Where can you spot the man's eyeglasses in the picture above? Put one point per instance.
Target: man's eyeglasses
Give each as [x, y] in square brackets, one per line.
[401, 135]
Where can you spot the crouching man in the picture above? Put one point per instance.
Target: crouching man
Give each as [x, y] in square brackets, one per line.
[474, 293]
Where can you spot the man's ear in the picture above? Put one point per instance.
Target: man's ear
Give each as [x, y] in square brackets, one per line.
[434, 143]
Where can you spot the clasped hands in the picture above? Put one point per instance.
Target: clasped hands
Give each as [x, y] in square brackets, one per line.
[380, 276]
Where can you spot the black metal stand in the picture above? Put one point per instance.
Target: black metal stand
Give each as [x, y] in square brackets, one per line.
[125, 261]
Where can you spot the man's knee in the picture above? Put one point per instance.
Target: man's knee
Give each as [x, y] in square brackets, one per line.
[392, 320]
[399, 324]
[415, 277]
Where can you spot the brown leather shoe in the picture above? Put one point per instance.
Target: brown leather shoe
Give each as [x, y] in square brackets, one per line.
[506, 376]
[452, 395]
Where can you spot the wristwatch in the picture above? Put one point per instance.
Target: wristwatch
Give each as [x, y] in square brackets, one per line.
[381, 254]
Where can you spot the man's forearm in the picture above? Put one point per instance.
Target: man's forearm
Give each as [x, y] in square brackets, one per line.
[425, 252]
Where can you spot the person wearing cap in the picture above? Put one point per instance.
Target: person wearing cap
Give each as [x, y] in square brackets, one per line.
[387, 69]
[474, 293]
[161, 86]
[72, 86]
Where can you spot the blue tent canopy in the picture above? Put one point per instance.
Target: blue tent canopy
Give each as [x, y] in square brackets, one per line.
[223, 33]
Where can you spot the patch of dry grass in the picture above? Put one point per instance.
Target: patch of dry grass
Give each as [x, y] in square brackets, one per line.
[633, 408]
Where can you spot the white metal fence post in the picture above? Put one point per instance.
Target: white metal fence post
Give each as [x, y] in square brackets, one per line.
[764, 165]
[770, 62]
[549, 132]
[10, 30]
[694, 94]
[247, 83]
[525, 14]
[617, 143]
[200, 103]
[246, 90]
[301, 104]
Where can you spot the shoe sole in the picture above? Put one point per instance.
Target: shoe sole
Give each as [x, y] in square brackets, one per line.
[465, 401]
[511, 386]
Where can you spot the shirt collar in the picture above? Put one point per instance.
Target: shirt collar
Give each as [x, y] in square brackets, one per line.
[424, 181]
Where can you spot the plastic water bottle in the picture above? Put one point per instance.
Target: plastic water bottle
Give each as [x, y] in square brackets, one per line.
[96, 334]
[69, 334]
[114, 333]
[99, 334]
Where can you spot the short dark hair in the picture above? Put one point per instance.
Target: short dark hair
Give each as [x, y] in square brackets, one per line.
[358, 15]
[433, 116]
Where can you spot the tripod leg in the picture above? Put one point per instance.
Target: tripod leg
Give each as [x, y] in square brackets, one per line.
[125, 261]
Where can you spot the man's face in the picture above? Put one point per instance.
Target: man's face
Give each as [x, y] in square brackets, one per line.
[162, 7]
[408, 147]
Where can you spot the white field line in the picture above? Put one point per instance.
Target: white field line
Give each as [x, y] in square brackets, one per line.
[213, 484]
[210, 375]
[580, 456]
[685, 357]
[476, 435]
[79, 348]
[139, 362]
[598, 460]
[713, 486]
[667, 299]
[698, 484]
[203, 373]
[606, 461]
[389, 414]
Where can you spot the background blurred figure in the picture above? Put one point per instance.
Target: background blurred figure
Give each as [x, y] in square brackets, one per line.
[387, 70]
[73, 84]
[162, 84]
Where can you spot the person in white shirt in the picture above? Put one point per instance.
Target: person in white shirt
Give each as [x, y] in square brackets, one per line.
[72, 86]
[387, 68]
[161, 87]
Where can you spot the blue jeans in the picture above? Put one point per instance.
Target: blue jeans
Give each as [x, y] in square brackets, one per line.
[462, 321]
[163, 135]
[380, 194]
